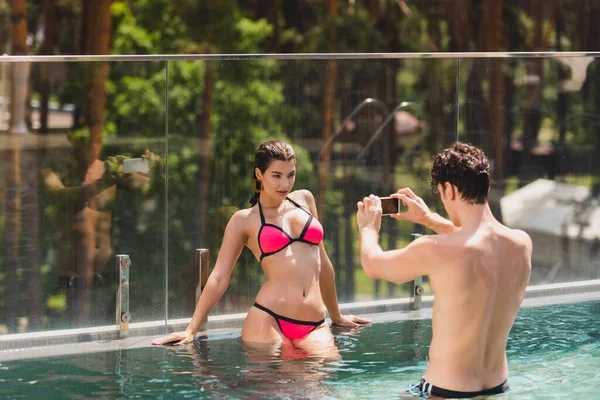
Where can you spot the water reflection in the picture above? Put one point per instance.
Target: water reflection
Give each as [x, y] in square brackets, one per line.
[81, 195]
[221, 368]
[230, 367]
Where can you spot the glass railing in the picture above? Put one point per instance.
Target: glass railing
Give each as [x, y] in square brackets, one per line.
[189, 125]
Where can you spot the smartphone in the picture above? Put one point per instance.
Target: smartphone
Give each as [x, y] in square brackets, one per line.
[390, 205]
[131, 165]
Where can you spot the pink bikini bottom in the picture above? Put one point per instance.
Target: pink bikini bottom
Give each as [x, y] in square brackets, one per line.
[291, 328]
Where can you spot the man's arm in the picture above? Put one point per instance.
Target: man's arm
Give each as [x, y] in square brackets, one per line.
[439, 224]
[401, 265]
[74, 196]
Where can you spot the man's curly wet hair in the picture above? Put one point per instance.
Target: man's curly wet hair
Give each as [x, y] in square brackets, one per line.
[464, 166]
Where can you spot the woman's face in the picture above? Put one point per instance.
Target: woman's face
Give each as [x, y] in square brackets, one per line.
[277, 180]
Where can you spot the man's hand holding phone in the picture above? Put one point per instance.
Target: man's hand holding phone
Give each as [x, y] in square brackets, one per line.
[403, 205]
[416, 209]
[369, 213]
[390, 205]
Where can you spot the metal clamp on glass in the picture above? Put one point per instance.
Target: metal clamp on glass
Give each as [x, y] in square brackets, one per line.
[416, 286]
[123, 316]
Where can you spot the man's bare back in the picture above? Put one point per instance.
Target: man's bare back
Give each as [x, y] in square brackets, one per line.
[477, 267]
[478, 293]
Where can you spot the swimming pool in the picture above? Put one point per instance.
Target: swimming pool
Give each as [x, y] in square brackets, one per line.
[554, 352]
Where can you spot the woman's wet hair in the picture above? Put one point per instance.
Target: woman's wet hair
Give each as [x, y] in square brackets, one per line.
[464, 166]
[265, 155]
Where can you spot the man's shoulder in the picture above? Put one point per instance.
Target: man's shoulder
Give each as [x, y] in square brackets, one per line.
[437, 243]
[516, 242]
[445, 239]
[523, 240]
[517, 236]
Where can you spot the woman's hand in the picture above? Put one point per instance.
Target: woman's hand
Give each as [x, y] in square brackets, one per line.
[176, 338]
[369, 213]
[350, 321]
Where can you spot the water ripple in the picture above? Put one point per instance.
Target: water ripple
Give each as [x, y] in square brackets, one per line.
[553, 353]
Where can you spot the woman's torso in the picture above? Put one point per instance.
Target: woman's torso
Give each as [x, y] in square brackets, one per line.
[292, 273]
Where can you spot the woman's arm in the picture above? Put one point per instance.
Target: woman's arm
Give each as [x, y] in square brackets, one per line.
[327, 276]
[327, 286]
[218, 281]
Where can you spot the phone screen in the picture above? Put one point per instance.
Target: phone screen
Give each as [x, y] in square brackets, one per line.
[135, 165]
[389, 205]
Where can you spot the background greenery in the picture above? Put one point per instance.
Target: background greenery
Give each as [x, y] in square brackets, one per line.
[204, 120]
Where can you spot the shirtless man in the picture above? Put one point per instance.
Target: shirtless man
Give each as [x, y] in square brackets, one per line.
[477, 267]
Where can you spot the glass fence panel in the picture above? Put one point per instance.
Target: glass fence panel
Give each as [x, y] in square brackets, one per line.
[357, 127]
[538, 121]
[82, 179]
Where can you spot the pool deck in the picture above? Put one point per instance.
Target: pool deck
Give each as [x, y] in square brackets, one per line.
[103, 339]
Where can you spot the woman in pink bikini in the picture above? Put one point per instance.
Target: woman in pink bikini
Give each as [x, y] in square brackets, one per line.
[283, 232]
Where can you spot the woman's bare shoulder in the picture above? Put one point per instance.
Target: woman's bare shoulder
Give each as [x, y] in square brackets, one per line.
[243, 216]
[244, 212]
[304, 196]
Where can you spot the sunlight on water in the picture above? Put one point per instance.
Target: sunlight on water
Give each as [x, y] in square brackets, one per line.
[554, 352]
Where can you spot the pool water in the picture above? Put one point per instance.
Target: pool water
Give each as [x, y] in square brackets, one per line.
[554, 352]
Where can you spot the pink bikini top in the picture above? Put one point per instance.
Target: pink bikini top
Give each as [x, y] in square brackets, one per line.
[272, 239]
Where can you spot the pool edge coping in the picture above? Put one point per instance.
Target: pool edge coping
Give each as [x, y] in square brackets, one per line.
[107, 337]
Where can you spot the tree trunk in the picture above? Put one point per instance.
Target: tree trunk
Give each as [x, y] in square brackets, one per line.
[435, 90]
[329, 81]
[458, 16]
[459, 20]
[22, 203]
[88, 8]
[594, 44]
[374, 10]
[20, 72]
[84, 45]
[496, 87]
[97, 42]
[30, 236]
[13, 233]
[101, 46]
[514, 39]
[510, 90]
[533, 88]
[18, 127]
[475, 106]
[326, 130]
[47, 49]
[562, 103]
[18, 11]
[583, 28]
[274, 15]
[203, 176]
